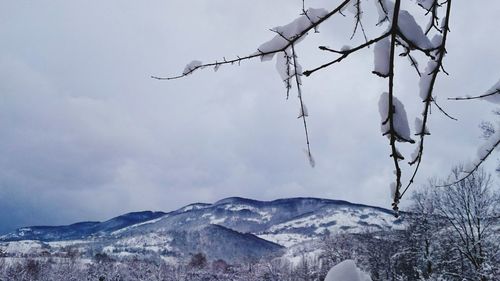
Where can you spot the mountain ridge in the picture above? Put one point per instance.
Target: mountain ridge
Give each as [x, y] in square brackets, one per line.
[232, 229]
[156, 214]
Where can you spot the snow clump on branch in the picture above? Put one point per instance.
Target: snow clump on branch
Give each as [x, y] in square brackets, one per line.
[290, 32]
[382, 53]
[400, 120]
[412, 31]
[191, 67]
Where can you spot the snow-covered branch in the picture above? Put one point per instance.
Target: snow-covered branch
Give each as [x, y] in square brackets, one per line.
[344, 52]
[494, 93]
[287, 36]
[404, 37]
[492, 134]
[427, 82]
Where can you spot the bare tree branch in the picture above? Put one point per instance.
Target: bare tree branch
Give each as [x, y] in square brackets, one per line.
[441, 51]
[414, 46]
[291, 41]
[359, 23]
[496, 92]
[443, 111]
[393, 137]
[303, 113]
[476, 166]
[344, 53]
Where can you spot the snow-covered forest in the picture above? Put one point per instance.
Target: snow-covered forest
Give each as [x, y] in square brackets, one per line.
[449, 233]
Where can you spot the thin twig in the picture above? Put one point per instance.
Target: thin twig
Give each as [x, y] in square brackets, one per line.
[476, 166]
[434, 21]
[302, 107]
[443, 111]
[414, 46]
[497, 91]
[385, 10]
[413, 61]
[344, 53]
[359, 23]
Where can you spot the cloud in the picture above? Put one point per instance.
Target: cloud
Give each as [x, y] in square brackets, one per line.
[86, 134]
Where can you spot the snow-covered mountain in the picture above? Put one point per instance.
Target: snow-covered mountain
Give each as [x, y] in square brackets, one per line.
[233, 229]
[80, 230]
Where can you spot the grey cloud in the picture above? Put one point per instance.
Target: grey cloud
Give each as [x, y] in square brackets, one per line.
[86, 134]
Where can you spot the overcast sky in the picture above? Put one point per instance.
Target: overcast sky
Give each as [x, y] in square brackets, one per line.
[85, 134]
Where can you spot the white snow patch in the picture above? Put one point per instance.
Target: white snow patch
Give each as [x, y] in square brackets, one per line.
[170, 260]
[382, 52]
[419, 127]
[341, 220]
[426, 79]
[62, 244]
[22, 247]
[138, 224]
[412, 31]
[284, 66]
[214, 220]
[285, 239]
[108, 249]
[266, 216]
[192, 66]
[151, 241]
[347, 271]
[298, 255]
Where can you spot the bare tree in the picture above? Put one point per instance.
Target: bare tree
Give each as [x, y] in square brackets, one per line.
[472, 210]
[423, 229]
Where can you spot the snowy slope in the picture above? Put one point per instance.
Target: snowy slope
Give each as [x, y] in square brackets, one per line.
[334, 219]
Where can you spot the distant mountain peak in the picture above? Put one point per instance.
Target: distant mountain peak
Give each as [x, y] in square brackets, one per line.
[237, 200]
